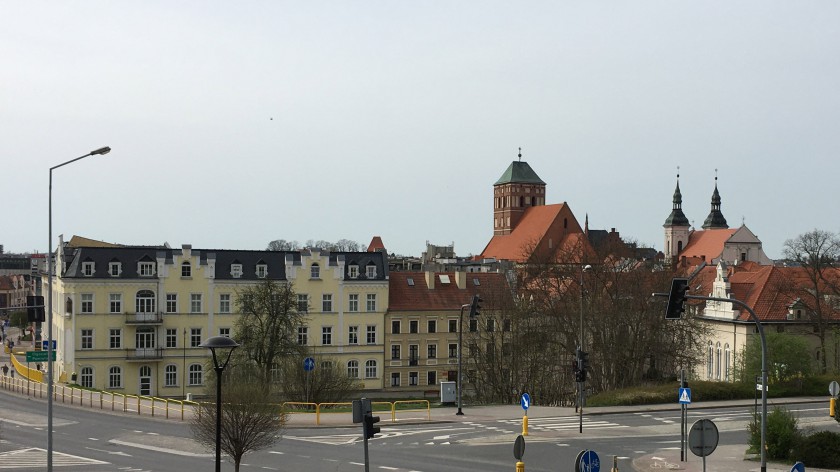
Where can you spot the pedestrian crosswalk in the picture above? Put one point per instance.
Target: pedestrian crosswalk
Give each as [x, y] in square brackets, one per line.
[563, 423]
[34, 457]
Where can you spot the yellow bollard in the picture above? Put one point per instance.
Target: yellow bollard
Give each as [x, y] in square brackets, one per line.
[832, 407]
[525, 425]
[520, 467]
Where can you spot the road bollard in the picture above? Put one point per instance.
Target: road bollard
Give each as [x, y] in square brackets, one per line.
[832, 407]
[525, 425]
[520, 467]
[615, 464]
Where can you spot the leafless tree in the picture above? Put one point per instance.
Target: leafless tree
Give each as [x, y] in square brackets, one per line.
[283, 245]
[328, 382]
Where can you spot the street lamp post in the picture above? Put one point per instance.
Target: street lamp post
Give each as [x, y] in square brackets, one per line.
[222, 343]
[581, 394]
[460, 330]
[100, 151]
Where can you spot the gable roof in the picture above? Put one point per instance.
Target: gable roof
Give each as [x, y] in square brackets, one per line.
[706, 244]
[444, 296]
[375, 244]
[543, 227]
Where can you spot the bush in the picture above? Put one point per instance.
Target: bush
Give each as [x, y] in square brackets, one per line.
[819, 450]
[782, 433]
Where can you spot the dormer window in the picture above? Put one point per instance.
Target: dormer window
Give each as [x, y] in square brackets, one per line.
[186, 269]
[262, 271]
[114, 269]
[370, 271]
[236, 271]
[87, 269]
[315, 271]
[353, 271]
[146, 269]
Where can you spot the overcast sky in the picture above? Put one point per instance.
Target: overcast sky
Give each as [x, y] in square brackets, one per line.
[236, 123]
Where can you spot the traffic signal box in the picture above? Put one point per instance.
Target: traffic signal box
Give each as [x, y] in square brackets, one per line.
[475, 308]
[581, 365]
[676, 299]
[35, 309]
[370, 429]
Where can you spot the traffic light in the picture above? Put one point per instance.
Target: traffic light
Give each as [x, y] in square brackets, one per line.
[676, 299]
[584, 365]
[370, 429]
[35, 309]
[475, 308]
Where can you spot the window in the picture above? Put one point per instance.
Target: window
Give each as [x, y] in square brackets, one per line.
[353, 369]
[170, 376]
[717, 361]
[395, 379]
[172, 303]
[353, 335]
[115, 302]
[303, 303]
[326, 365]
[195, 337]
[395, 326]
[225, 332]
[195, 303]
[224, 303]
[87, 269]
[413, 354]
[370, 369]
[144, 338]
[326, 302]
[186, 269]
[144, 302]
[370, 271]
[115, 377]
[431, 351]
[727, 361]
[114, 269]
[395, 352]
[115, 338]
[491, 325]
[303, 332]
[431, 326]
[413, 326]
[371, 302]
[453, 351]
[146, 269]
[710, 361]
[326, 335]
[431, 377]
[506, 325]
[262, 271]
[412, 378]
[86, 379]
[87, 339]
[371, 334]
[171, 338]
[195, 374]
[315, 271]
[354, 302]
[453, 326]
[236, 270]
[473, 325]
[353, 271]
[87, 303]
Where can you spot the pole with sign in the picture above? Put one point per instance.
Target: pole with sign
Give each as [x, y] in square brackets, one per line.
[525, 401]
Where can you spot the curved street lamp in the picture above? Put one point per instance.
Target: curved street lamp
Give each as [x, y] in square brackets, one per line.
[101, 151]
[221, 343]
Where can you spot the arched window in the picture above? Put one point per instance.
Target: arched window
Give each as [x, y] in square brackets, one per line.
[353, 369]
[86, 380]
[315, 271]
[717, 361]
[710, 361]
[370, 369]
[68, 306]
[186, 269]
[727, 363]
[195, 377]
[170, 376]
[145, 301]
[115, 377]
[679, 247]
[565, 223]
[521, 201]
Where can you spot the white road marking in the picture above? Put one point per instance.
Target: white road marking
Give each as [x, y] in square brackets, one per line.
[159, 449]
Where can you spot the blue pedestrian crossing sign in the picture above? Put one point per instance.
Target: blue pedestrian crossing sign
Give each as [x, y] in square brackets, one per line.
[308, 364]
[685, 396]
[525, 401]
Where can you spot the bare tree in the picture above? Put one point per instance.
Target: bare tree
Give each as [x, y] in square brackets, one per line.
[249, 423]
[328, 382]
[817, 253]
[283, 245]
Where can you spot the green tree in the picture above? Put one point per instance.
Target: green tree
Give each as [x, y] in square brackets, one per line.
[788, 356]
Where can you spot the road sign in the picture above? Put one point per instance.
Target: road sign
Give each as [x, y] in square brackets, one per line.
[38, 356]
[758, 387]
[587, 461]
[519, 448]
[46, 342]
[833, 388]
[685, 396]
[308, 364]
[703, 438]
[525, 401]
[798, 467]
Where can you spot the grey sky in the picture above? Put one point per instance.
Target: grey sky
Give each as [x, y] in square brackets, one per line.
[236, 123]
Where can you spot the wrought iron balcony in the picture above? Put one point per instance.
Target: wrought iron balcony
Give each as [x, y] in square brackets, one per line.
[144, 318]
[144, 354]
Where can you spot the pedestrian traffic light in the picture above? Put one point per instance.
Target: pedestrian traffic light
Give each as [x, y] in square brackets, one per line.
[676, 299]
[475, 308]
[370, 429]
[35, 309]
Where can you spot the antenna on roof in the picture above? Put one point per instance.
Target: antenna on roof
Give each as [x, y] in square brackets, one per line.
[520, 154]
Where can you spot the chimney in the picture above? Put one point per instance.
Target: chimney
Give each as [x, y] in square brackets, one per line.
[430, 279]
[461, 279]
[186, 250]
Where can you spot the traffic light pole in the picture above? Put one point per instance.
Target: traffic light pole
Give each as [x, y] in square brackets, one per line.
[460, 338]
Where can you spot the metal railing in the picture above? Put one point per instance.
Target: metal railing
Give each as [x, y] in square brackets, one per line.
[346, 409]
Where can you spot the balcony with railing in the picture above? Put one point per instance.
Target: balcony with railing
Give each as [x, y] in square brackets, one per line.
[144, 354]
[144, 318]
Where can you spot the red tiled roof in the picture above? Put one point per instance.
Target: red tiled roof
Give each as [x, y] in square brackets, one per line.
[541, 228]
[493, 288]
[375, 244]
[708, 243]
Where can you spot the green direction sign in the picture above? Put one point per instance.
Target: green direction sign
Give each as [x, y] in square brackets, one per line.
[38, 356]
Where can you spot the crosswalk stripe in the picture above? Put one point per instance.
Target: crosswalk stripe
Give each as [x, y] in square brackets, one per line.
[37, 457]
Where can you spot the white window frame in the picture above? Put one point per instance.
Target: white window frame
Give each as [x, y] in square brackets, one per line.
[370, 369]
[115, 377]
[196, 303]
[114, 269]
[315, 271]
[236, 271]
[225, 332]
[86, 305]
[171, 338]
[353, 335]
[115, 304]
[262, 271]
[86, 377]
[186, 270]
[170, 375]
[172, 303]
[146, 269]
[370, 271]
[114, 338]
[303, 335]
[302, 303]
[370, 334]
[353, 271]
[224, 303]
[195, 337]
[353, 369]
[326, 335]
[86, 338]
[88, 269]
[370, 302]
[196, 375]
[353, 302]
[327, 303]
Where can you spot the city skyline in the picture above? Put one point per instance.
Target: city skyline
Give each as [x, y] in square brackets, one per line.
[235, 125]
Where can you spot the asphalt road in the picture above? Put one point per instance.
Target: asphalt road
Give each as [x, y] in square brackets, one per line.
[90, 440]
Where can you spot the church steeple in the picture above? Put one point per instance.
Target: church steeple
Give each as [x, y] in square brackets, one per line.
[676, 227]
[715, 220]
[677, 217]
[518, 189]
